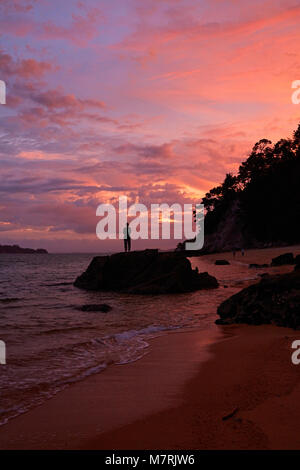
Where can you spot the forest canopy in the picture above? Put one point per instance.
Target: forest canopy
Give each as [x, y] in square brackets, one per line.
[265, 192]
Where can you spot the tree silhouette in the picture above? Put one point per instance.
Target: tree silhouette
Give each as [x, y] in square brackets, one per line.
[266, 189]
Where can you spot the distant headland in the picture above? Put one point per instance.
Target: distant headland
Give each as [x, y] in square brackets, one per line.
[17, 249]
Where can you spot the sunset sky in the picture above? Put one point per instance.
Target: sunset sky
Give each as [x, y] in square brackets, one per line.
[155, 99]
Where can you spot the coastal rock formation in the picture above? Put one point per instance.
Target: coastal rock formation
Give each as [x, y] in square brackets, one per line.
[144, 272]
[274, 300]
[15, 249]
[258, 266]
[228, 235]
[242, 211]
[95, 308]
[221, 262]
[286, 258]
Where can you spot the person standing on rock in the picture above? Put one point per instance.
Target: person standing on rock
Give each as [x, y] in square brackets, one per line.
[127, 239]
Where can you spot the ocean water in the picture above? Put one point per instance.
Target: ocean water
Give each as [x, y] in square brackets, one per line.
[51, 344]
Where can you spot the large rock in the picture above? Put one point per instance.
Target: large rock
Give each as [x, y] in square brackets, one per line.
[144, 272]
[258, 266]
[286, 258]
[274, 300]
[95, 308]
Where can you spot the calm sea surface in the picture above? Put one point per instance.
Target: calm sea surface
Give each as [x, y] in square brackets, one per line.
[50, 343]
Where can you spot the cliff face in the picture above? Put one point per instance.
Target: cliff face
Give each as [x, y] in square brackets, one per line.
[260, 205]
[230, 234]
[144, 272]
[15, 249]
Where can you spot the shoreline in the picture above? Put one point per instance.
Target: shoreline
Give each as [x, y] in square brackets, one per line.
[245, 397]
[115, 397]
[177, 395]
[234, 389]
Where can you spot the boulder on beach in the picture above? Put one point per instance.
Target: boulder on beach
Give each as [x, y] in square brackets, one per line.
[221, 262]
[274, 300]
[255, 265]
[286, 258]
[144, 272]
[95, 308]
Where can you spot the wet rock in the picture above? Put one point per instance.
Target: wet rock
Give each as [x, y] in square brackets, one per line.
[255, 265]
[274, 300]
[95, 308]
[286, 258]
[144, 272]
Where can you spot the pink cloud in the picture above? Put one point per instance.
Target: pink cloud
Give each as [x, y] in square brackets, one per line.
[17, 21]
[54, 99]
[25, 68]
[159, 102]
[82, 29]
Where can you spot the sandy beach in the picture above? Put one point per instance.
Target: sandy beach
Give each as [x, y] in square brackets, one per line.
[233, 387]
[149, 246]
[244, 396]
[116, 397]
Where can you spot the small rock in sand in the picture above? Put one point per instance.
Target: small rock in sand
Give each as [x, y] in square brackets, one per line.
[95, 308]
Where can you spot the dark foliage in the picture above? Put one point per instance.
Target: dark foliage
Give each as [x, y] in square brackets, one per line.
[266, 191]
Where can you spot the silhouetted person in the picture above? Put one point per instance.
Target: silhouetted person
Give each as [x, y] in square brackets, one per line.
[127, 239]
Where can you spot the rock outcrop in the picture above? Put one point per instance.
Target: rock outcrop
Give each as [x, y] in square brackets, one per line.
[144, 272]
[258, 266]
[95, 308]
[285, 258]
[274, 300]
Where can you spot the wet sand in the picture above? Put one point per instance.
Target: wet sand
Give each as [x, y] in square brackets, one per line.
[245, 397]
[113, 398]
